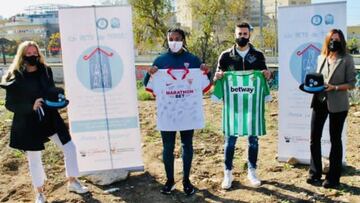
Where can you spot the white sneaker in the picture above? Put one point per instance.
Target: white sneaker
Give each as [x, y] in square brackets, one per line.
[40, 198]
[253, 178]
[228, 178]
[77, 187]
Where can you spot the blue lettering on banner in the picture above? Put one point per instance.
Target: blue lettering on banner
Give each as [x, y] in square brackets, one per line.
[100, 124]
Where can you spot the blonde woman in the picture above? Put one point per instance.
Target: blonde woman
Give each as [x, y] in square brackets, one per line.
[26, 82]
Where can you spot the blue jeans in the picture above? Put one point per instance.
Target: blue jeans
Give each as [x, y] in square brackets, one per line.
[253, 149]
[168, 139]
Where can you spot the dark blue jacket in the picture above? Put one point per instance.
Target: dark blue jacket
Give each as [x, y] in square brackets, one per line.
[175, 61]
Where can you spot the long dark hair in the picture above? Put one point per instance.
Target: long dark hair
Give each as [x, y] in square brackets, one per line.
[325, 50]
[181, 32]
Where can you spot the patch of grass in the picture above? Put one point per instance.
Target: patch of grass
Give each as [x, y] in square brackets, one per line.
[288, 166]
[143, 95]
[209, 128]
[52, 154]
[355, 96]
[17, 153]
[7, 115]
[154, 136]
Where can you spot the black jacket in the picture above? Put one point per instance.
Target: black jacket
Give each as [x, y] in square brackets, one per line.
[27, 131]
[230, 60]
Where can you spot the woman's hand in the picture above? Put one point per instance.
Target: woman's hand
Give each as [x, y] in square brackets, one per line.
[152, 70]
[38, 103]
[330, 87]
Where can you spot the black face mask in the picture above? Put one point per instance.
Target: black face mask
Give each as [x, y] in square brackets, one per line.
[31, 60]
[241, 41]
[334, 46]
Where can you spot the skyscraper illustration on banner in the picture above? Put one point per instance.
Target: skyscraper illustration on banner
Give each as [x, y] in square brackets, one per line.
[99, 68]
[308, 60]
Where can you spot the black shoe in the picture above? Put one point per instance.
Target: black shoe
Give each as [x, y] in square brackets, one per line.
[330, 184]
[168, 187]
[313, 181]
[188, 188]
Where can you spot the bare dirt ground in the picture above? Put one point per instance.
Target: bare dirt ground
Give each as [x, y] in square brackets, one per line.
[282, 182]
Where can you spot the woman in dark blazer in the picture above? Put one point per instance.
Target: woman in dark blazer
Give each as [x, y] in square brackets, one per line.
[338, 69]
[26, 83]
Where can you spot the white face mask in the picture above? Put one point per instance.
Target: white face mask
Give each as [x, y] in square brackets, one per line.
[175, 46]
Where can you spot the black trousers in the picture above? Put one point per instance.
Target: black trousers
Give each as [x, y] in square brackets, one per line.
[336, 124]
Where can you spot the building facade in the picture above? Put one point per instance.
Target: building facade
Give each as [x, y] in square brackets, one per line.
[37, 23]
[252, 14]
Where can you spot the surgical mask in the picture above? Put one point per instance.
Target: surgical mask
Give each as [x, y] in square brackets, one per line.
[334, 45]
[175, 46]
[32, 60]
[241, 41]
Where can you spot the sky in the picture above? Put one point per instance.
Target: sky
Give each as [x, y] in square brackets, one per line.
[12, 7]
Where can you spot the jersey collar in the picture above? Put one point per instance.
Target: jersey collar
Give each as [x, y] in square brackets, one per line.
[186, 72]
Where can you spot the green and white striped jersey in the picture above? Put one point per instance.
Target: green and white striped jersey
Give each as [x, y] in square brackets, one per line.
[244, 94]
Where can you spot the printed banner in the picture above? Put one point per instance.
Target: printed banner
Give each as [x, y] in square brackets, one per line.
[300, 42]
[98, 61]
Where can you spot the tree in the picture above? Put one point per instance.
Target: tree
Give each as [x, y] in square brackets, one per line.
[353, 45]
[3, 42]
[214, 32]
[11, 47]
[54, 45]
[269, 36]
[149, 20]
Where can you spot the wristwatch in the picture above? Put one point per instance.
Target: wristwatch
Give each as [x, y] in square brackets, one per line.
[336, 88]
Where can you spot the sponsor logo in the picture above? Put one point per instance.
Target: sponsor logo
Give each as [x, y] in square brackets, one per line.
[327, 20]
[240, 89]
[316, 20]
[102, 23]
[187, 65]
[179, 93]
[115, 23]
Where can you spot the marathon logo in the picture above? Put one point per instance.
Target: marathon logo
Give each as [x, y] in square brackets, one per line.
[240, 89]
[179, 93]
[172, 92]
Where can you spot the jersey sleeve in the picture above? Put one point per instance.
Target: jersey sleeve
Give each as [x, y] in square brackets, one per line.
[205, 82]
[150, 84]
[267, 94]
[218, 92]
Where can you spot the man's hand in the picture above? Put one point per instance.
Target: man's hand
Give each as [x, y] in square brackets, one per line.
[152, 70]
[218, 75]
[267, 74]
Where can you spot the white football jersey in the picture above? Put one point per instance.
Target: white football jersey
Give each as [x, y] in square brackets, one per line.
[179, 99]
